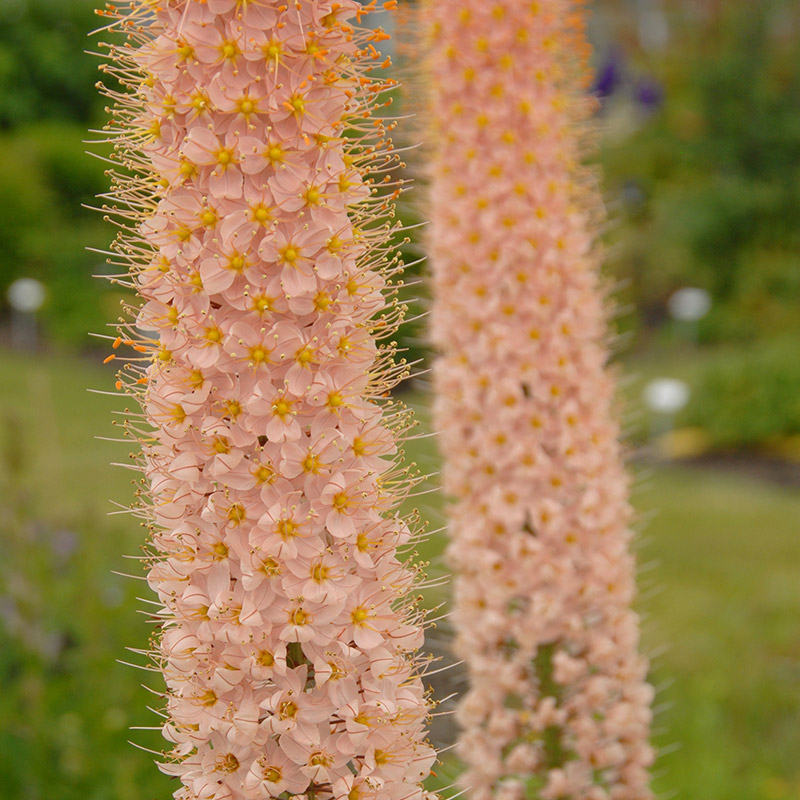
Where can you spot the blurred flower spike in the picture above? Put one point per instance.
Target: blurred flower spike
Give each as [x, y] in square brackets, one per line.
[256, 223]
[558, 706]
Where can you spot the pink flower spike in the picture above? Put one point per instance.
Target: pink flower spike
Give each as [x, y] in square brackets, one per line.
[260, 256]
[540, 516]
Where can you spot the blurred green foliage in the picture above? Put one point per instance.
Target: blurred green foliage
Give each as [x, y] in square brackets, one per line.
[750, 396]
[65, 618]
[712, 179]
[47, 104]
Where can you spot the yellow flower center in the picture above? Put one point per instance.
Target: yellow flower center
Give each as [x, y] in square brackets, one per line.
[208, 218]
[275, 153]
[290, 254]
[265, 658]
[261, 213]
[272, 774]
[359, 615]
[299, 617]
[282, 407]
[263, 473]
[258, 355]
[340, 501]
[229, 50]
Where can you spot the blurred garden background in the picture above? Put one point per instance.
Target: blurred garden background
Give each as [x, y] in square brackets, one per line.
[700, 121]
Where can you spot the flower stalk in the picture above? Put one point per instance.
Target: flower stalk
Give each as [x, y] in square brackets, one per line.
[558, 706]
[254, 184]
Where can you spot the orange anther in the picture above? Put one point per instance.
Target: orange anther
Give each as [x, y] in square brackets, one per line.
[109, 358]
[117, 342]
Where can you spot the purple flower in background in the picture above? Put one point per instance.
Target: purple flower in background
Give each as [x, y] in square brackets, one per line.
[649, 94]
[609, 75]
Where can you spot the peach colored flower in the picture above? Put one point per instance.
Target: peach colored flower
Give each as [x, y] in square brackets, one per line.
[257, 249]
[540, 515]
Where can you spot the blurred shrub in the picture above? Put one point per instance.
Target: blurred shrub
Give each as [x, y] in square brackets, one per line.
[44, 232]
[64, 619]
[44, 73]
[717, 175]
[746, 398]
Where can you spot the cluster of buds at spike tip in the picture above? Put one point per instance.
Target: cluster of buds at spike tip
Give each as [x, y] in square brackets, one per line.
[256, 210]
[558, 706]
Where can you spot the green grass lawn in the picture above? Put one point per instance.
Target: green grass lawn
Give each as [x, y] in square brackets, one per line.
[720, 596]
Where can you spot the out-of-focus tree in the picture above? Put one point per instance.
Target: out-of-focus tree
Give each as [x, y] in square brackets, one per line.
[44, 73]
[714, 174]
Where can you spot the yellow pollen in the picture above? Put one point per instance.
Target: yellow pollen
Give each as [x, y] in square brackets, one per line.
[246, 106]
[288, 709]
[340, 501]
[299, 617]
[236, 513]
[305, 356]
[359, 615]
[273, 50]
[178, 413]
[334, 244]
[187, 169]
[220, 549]
[258, 355]
[270, 567]
[208, 218]
[263, 473]
[214, 334]
[381, 757]
[208, 698]
[298, 104]
[261, 214]
[359, 446]
[290, 254]
[319, 573]
[335, 400]
[196, 378]
[199, 101]
[233, 408]
[229, 50]
[362, 543]
[225, 157]
[265, 658]
[282, 407]
[313, 196]
[263, 303]
[322, 301]
[286, 528]
[275, 153]
[272, 774]
[236, 263]
[221, 445]
[164, 355]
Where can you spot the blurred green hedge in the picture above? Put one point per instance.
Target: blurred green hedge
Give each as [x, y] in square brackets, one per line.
[708, 185]
[749, 397]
